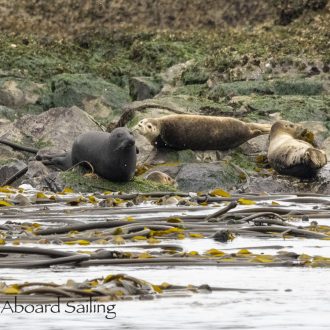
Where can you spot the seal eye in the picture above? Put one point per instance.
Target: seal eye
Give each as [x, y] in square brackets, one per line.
[291, 126]
[119, 135]
[149, 126]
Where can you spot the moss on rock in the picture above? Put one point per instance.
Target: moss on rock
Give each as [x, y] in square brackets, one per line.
[91, 184]
[75, 89]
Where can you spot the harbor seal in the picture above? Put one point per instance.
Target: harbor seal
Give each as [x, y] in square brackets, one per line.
[112, 155]
[290, 154]
[198, 132]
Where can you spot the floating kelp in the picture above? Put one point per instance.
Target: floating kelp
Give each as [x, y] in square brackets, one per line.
[165, 255]
[113, 287]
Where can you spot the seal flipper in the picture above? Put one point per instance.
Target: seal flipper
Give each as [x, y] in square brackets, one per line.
[316, 158]
[256, 132]
[262, 128]
[62, 162]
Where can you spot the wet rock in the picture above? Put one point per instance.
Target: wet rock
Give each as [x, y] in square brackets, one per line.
[8, 170]
[56, 127]
[286, 184]
[141, 88]
[202, 177]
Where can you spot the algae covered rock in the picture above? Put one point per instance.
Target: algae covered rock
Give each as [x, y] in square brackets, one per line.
[95, 95]
[141, 88]
[202, 177]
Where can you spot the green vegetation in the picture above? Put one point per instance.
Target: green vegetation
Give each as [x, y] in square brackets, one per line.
[91, 184]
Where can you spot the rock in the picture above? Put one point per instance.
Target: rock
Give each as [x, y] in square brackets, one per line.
[6, 114]
[36, 169]
[10, 132]
[10, 169]
[42, 178]
[289, 10]
[56, 127]
[50, 182]
[256, 145]
[195, 74]
[174, 73]
[251, 86]
[17, 93]
[141, 88]
[172, 76]
[160, 177]
[203, 177]
[318, 128]
[326, 147]
[94, 95]
[171, 170]
[146, 150]
[208, 156]
[7, 154]
[165, 155]
[286, 184]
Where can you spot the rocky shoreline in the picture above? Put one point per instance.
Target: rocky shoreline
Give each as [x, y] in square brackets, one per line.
[52, 90]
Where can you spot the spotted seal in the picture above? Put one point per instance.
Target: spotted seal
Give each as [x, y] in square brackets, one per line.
[199, 132]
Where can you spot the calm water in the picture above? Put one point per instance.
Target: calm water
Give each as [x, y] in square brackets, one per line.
[300, 299]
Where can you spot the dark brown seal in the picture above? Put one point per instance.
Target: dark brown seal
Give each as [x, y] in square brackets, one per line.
[289, 153]
[112, 155]
[199, 132]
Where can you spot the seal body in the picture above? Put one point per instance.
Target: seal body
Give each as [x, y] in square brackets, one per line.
[199, 132]
[290, 154]
[112, 155]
